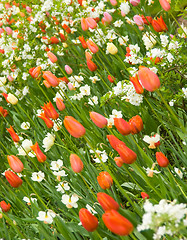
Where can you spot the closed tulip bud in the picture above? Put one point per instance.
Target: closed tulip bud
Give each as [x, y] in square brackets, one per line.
[134, 2]
[114, 141]
[46, 119]
[4, 206]
[10, 78]
[111, 78]
[138, 87]
[52, 57]
[51, 78]
[122, 126]
[15, 163]
[76, 163]
[107, 17]
[119, 161]
[144, 195]
[136, 124]
[47, 84]
[84, 24]
[12, 99]
[54, 40]
[98, 119]
[107, 202]
[162, 159]
[36, 72]
[13, 179]
[83, 42]
[111, 48]
[91, 65]
[74, 127]
[39, 154]
[149, 79]
[138, 20]
[50, 111]
[29, 10]
[88, 220]
[70, 86]
[88, 55]
[91, 22]
[92, 46]
[147, 20]
[3, 112]
[60, 104]
[14, 135]
[116, 223]
[127, 155]
[68, 69]
[105, 180]
[165, 4]
[113, 2]
[64, 79]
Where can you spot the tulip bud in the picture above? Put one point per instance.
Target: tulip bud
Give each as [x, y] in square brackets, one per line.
[165, 4]
[64, 79]
[46, 83]
[60, 104]
[88, 220]
[35, 72]
[13, 179]
[3, 112]
[74, 127]
[91, 65]
[113, 2]
[12, 99]
[138, 20]
[52, 79]
[111, 48]
[54, 40]
[111, 78]
[39, 154]
[126, 154]
[68, 69]
[70, 86]
[107, 202]
[162, 159]
[14, 135]
[116, 223]
[4, 206]
[119, 161]
[159, 25]
[92, 46]
[98, 119]
[8, 30]
[105, 180]
[136, 124]
[114, 141]
[144, 195]
[15, 163]
[29, 10]
[138, 87]
[88, 55]
[107, 17]
[122, 126]
[52, 57]
[149, 79]
[83, 42]
[91, 22]
[84, 24]
[76, 163]
[134, 2]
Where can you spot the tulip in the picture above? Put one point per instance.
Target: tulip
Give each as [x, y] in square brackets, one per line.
[76, 163]
[111, 78]
[54, 40]
[46, 119]
[136, 124]
[13, 179]
[15, 163]
[134, 2]
[98, 119]
[35, 72]
[88, 220]
[138, 20]
[114, 141]
[84, 24]
[147, 20]
[66, 28]
[64, 79]
[92, 46]
[12, 99]
[107, 202]
[60, 104]
[138, 87]
[8, 30]
[68, 69]
[122, 126]
[119, 161]
[88, 56]
[70, 86]
[165, 4]
[39, 154]
[52, 79]
[116, 223]
[14, 135]
[74, 127]
[127, 155]
[113, 2]
[91, 22]
[105, 180]
[28, 9]
[111, 48]
[162, 159]
[107, 17]
[4, 206]
[46, 83]
[52, 57]
[91, 65]
[144, 195]
[50, 111]
[63, 37]
[3, 112]
[149, 79]
[83, 42]
[159, 25]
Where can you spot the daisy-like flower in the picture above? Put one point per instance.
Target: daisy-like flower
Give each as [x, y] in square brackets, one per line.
[25, 125]
[62, 186]
[93, 100]
[102, 156]
[56, 165]
[38, 176]
[152, 141]
[46, 217]
[179, 172]
[70, 202]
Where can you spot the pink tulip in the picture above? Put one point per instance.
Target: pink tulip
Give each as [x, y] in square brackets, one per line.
[138, 20]
[113, 2]
[165, 4]
[10, 79]
[68, 69]
[70, 86]
[84, 24]
[8, 30]
[107, 17]
[134, 2]
[29, 10]
[91, 23]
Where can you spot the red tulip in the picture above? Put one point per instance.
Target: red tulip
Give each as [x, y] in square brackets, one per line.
[116, 223]
[88, 220]
[3, 112]
[126, 154]
[50, 111]
[105, 180]
[92, 46]
[122, 126]
[66, 28]
[64, 79]
[147, 20]
[88, 55]
[4, 206]
[111, 78]
[91, 65]
[46, 119]
[54, 40]
[39, 154]
[83, 42]
[76, 163]
[114, 141]
[165, 4]
[144, 195]
[136, 124]
[14, 135]
[138, 87]
[52, 57]
[15, 163]
[98, 119]
[13, 179]
[159, 25]
[74, 127]
[60, 104]
[107, 202]
[149, 79]
[119, 161]
[162, 159]
[51, 78]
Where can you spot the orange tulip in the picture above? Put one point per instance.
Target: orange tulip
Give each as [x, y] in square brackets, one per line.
[159, 25]
[92, 46]
[54, 40]
[64, 79]
[39, 154]
[114, 141]
[162, 159]
[60, 104]
[13, 179]
[119, 161]
[35, 71]
[83, 42]
[126, 154]
[91, 22]
[111, 78]
[98, 119]
[14, 135]
[66, 28]
[51, 78]
[46, 83]
[122, 126]
[136, 124]
[91, 65]
[88, 55]
[76, 163]
[4, 206]
[46, 119]
[116, 223]
[144, 195]
[50, 111]
[107, 202]
[149, 79]
[3, 112]
[84, 24]
[52, 57]
[105, 180]
[165, 4]
[15, 163]
[88, 220]
[138, 87]
[74, 127]
[147, 20]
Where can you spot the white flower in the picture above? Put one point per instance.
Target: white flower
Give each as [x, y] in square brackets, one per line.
[149, 40]
[124, 7]
[38, 176]
[70, 202]
[94, 79]
[184, 92]
[93, 100]
[48, 141]
[170, 57]
[25, 147]
[56, 165]
[46, 217]
[178, 171]
[85, 90]
[90, 209]
[118, 23]
[152, 140]
[25, 125]
[62, 186]
[61, 173]
[164, 40]
[2, 81]
[29, 200]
